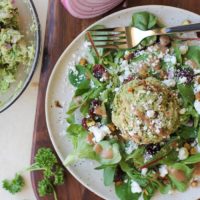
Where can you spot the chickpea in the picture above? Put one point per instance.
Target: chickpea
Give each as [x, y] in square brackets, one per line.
[197, 96]
[83, 61]
[164, 40]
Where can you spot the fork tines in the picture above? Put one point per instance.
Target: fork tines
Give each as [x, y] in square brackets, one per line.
[109, 37]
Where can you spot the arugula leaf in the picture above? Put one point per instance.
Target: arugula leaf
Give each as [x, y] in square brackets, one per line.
[192, 159]
[82, 149]
[72, 107]
[198, 136]
[15, 185]
[177, 52]
[70, 119]
[137, 156]
[150, 190]
[123, 191]
[194, 54]
[108, 174]
[133, 174]
[164, 189]
[186, 92]
[74, 130]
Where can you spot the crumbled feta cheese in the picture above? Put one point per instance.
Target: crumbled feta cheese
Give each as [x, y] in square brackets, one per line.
[182, 80]
[144, 171]
[196, 88]
[135, 187]
[183, 153]
[131, 146]
[170, 59]
[169, 82]
[182, 111]
[183, 49]
[196, 71]
[150, 113]
[197, 106]
[99, 132]
[126, 181]
[163, 170]
[124, 63]
[121, 78]
[116, 89]
[92, 85]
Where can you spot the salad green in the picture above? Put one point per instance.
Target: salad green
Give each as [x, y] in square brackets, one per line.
[13, 48]
[140, 112]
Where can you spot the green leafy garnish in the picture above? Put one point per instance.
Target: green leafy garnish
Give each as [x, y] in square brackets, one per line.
[53, 175]
[15, 185]
[109, 173]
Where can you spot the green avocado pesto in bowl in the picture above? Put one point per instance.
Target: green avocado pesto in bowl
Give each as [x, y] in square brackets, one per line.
[19, 48]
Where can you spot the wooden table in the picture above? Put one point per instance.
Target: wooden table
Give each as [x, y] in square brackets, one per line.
[62, 28]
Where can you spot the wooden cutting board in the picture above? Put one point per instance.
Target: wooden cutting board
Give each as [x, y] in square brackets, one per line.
[61, 29]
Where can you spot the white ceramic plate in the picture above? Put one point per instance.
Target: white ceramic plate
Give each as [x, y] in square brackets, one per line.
[60, 89]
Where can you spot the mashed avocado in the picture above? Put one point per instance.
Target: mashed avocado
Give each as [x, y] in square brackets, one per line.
[13, 49]
[146, 111]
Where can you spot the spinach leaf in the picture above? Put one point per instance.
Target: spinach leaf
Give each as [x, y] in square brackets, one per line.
[186, 92]
[82, 88]
[108, 174]
[194, 54]
[123, 191]
[192, 159]
[186, 132]
[76, 77]
[70, 119]
[144, 20]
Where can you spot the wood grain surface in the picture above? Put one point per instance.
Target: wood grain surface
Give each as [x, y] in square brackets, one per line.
[61, 29]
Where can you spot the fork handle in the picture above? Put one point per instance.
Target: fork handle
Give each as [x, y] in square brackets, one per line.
[184, 28]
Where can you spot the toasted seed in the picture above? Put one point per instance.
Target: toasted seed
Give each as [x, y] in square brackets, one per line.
[83, 61]
[193, 151]
[194, 183]
[197, 96]
[187, 146]
[164, 40]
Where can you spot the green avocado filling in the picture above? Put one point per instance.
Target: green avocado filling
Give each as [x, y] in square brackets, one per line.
[13, 48]
[146, 111]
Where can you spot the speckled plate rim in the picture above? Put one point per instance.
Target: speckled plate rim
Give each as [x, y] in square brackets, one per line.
[48, 103]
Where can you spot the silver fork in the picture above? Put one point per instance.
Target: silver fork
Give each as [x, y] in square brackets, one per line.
[129, 37]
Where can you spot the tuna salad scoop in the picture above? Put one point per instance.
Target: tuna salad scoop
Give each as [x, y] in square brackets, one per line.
[146, 111]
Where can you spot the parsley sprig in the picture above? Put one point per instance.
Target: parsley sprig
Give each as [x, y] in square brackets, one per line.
[53, 175]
